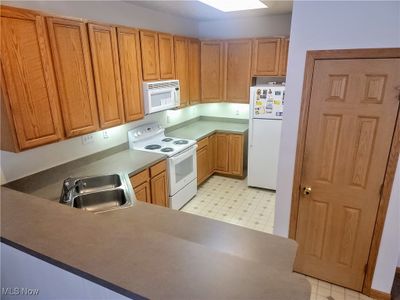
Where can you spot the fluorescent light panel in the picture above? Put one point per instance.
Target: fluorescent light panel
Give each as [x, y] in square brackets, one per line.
[234, 5]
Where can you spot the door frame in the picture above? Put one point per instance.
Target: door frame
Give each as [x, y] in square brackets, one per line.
[311, 57]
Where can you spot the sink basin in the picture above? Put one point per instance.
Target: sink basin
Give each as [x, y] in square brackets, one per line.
[101, 201]
[97, 193]
[91, 184]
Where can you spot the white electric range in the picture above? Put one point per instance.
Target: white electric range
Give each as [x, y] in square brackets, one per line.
[182, 162]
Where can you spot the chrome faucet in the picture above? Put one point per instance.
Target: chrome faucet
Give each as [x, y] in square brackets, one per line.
[69, 186]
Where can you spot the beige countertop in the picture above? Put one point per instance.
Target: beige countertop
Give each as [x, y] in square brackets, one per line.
[154, 252]
[207, 126]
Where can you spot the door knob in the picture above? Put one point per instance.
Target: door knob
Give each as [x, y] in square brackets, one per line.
[306, 190]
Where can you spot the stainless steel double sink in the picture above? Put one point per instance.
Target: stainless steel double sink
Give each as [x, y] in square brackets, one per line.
[97, 193]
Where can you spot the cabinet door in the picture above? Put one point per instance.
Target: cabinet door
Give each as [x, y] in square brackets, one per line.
[142, 192]
[74, 75]
[28, 84]
[202, 164]
[212, 71]
[182, 68]
[236, 154]
[149, 52]
[266, 54]
[159, 189]
[283, 56]
[211, 154]
[222, 156]
[238, 70]
[194, 71]
[104, 48]
[131, 73]
[166, 52]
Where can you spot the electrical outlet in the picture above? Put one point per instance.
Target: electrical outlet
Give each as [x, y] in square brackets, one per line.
[237, 112]
[87, 139]
[106, 134]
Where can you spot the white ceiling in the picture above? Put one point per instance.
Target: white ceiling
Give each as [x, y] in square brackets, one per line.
[198, 11]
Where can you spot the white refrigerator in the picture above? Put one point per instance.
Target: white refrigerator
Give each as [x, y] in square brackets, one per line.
[265, 123]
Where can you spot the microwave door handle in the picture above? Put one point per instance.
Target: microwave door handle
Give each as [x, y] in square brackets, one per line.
[183, 155]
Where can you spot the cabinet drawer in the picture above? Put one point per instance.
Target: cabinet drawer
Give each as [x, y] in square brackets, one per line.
[158, 168]
[202, 143]
[139, 178]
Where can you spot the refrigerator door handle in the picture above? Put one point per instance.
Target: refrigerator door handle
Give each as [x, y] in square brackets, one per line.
[251, 131]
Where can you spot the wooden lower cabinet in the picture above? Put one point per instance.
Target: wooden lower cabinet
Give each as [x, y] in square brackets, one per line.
[221, 153]
[151, 185]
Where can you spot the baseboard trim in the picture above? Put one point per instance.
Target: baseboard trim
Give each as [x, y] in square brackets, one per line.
[378, 295]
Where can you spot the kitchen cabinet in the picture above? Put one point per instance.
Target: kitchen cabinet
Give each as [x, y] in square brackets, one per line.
[150, 57]
[30, 101]
[284, 56]
[166, 52]
[203, 160]
[181, 45]
[194, 71]
[235, 154]
[266, 54]
[221, 156]
[131, 72]
[74, 75]
[212, 73]
[212, 150]
[157, 53]
[104, 49]
[238, 70]
[151, 184]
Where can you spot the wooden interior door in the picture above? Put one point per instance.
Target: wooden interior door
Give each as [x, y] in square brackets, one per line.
[131, 72]
[212, 71]
[150, 57]
[72, 62]
[353, 109]
[166, 52]
[194, 71]
[238, 70]
[104, 48]
[28, 81]
[182, 68]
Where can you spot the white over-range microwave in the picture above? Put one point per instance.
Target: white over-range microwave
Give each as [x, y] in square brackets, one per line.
[161, 95]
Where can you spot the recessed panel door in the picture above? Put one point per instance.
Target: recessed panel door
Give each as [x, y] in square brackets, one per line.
[353, 109]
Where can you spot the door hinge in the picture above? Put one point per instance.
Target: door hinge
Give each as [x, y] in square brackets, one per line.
[381, 190]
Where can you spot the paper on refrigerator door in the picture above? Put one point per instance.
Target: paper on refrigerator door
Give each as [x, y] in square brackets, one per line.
[268, 102]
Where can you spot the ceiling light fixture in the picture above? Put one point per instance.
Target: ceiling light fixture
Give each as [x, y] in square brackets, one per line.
[234, 5]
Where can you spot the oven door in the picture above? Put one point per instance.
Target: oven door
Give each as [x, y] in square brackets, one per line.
[162, 99]
[182, 169]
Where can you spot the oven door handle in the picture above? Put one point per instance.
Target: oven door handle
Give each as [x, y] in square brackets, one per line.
[183, 155]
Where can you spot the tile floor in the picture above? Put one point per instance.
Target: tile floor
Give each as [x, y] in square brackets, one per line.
[231, 200]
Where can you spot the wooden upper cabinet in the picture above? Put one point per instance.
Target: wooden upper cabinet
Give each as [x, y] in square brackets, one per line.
[266, 53]
[283, 56]
[30, 98]
[194, 71]
[131, 72]
[150, 56]
[237, 70]
[104, 49]
[182, 68]
[74, 76]
[212, 71]
[166, 52]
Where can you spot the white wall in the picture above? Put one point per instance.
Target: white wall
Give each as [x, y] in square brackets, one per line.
[21, 270]
[331, 25]
[246, 27]
[116, 12]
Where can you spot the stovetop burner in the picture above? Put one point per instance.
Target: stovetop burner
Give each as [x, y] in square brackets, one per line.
[181, 142]
[167, 149]
[167, 139]
[152, 147]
